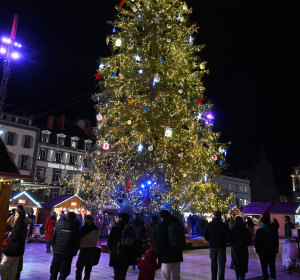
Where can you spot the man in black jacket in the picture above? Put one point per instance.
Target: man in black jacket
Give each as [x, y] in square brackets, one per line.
[266, 246]
[217, 234]
[65, 243]
[171, 257]
[288, 226]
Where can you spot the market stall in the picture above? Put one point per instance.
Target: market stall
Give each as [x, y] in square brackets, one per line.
[257, 210]
[281, 209]
[66, 203]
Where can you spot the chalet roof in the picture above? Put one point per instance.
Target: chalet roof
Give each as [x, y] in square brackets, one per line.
[60, 199]
[257, 208]
[28, 196]
[286, 208]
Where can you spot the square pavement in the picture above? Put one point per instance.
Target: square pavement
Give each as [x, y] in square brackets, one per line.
[196, 265]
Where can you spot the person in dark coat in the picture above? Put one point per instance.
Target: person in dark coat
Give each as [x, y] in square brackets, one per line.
[275, 224]
[148, 265]
[241, 239]
[121, 257]
[31, 220]
[15, 247]
[192, 220]
[65, 242]
[288, 226]
[217, 234]
[171, 257]
[154, 230]
[266, 246]
[139, 234]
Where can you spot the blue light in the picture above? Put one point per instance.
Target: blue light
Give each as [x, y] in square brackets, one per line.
[140, 191]
[140, 147]
[149, 182]
[114, 30]
[143, 186]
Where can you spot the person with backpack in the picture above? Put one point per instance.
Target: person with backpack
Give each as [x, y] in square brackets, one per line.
[15, 247]
[65, 243]
[148, 265]
[266, 246]
[171, 238]
[217, 234]
[89, 235]
[241, 239]
[139, 234]
[120, 242]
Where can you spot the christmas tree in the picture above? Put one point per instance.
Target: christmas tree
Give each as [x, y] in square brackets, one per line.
[156, 147]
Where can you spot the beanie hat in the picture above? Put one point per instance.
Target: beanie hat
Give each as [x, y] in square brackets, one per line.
[52, 213]
[218, 214]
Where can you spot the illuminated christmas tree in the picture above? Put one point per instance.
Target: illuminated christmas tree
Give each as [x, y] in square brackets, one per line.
[155, 147]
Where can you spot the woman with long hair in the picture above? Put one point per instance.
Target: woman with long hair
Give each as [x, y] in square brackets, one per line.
[89, 235]
[275, 224]
[239, 248]
[15, 247]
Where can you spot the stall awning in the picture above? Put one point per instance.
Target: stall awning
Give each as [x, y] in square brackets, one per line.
[257, 208]
[286, 208]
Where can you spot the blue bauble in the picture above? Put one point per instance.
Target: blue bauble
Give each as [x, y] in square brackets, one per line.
[113, 74]
[222, 163]
[147, 109]
[163, 60]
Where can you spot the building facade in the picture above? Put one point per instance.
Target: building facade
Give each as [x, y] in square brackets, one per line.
[296, 184]
[21, 138]
[240, 188]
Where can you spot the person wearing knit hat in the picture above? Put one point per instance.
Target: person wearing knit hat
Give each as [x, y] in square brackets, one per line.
[266, 246]
[50, 223]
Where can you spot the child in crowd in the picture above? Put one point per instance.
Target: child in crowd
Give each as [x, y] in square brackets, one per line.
[148, 265]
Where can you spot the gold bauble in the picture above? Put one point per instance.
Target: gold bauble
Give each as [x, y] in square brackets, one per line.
[202, 66]
[130, 100]
[185, 7]
[129, 122]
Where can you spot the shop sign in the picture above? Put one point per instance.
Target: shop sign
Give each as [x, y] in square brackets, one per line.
[63, 166]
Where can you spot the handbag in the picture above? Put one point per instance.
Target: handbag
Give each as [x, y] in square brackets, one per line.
[5, 242]
[97, 256]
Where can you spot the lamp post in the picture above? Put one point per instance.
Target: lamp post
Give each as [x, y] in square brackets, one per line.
[8, 50]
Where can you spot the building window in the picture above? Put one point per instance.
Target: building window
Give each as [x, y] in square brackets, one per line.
[53, 194]
[27, 142]
[241, 188]
[222, 185]
[13, 119]
[24, 162]
[4, 117]
[72, 159]
[56, 175]
[88, 146]
[236, 188]
[298, 198]
[74, 144]
[246, 190]
[70, 192]
[11, 139]
[43, 154]
[85, 162]
[40, 173]
[45, 137]
[58, 156]
[60, 141]
[237, 202]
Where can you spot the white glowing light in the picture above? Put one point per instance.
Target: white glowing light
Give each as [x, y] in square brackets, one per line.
[141, 71]
[140, 147]
[199, 116]
[15, 55]
[118, 42]
[28, 197]
[2, 50]
[101, 66]
[138, 58]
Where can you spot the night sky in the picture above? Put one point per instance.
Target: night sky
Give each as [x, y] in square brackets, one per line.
[252, 49]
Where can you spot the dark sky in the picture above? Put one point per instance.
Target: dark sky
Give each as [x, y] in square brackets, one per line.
[252, 49]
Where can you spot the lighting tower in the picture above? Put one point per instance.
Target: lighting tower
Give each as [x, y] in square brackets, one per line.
[8, 50]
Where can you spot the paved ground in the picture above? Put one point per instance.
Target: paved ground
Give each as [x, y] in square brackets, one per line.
[196, 265]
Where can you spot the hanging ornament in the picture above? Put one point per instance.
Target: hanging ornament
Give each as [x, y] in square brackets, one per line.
[180, 155]
[99, 117]
[140, 148]
[182, 19]
[106, 146]
[169, 40]
[156, 79]
[150, 148]
[101, 66]
[130, 100]
[117, 102]
[185, 7]
[156, 20]
[141, 71]
[118, 42]
[196, 64]
[122, 3]
[221, 150]
[114, 30]
[197, 142]
[199, 101]
[134, 9]
[107, 40]
[202, 66]
[147, 109]
[137, 58]
[98, 76]
[130, 47]
[127, 187]
[169, 25]
[168, 132]
[113, 74]
[163, 60]
[180, 91]
[129, 122]
[214, 157]
[222, 163]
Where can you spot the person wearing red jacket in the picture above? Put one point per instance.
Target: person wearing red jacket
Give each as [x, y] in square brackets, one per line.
[148, 265]
[50, 223]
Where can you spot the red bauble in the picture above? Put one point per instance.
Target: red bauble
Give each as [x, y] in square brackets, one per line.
[105, 146]
[127, 187]
[214, 157]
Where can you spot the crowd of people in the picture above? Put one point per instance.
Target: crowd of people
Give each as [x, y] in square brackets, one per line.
[126, 239]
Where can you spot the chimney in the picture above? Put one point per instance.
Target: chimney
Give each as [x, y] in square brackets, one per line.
[50, 122]
[61, 122]
[87, 129]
